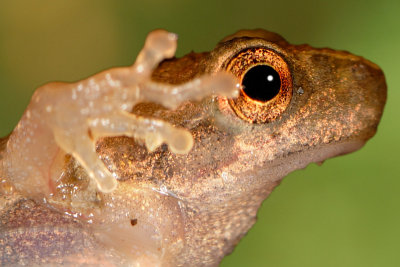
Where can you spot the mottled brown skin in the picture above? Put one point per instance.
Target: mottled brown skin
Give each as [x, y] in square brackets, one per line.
[337, 102]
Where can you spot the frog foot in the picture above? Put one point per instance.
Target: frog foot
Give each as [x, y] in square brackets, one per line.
[72, 116]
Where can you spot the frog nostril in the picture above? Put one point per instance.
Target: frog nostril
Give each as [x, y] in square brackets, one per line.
[261, 83]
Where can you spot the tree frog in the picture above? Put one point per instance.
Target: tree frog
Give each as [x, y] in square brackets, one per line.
[166, 162]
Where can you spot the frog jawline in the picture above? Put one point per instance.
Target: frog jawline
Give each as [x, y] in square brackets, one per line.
[303, 159]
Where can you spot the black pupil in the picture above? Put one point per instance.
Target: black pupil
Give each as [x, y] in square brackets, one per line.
[261, 83]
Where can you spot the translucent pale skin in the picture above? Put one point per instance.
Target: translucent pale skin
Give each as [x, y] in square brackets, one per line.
[73, 116]
[125, 201]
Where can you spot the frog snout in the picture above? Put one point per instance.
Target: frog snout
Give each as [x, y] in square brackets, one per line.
[366, 95]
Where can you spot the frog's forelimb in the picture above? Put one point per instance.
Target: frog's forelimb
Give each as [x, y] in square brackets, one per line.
[72, 116]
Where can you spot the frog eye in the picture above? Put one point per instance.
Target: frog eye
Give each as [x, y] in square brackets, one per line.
[266, 85]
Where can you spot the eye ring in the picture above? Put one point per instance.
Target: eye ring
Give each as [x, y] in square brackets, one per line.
[260, 107]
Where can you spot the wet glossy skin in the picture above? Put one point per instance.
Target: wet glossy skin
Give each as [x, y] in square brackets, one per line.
[192, 209]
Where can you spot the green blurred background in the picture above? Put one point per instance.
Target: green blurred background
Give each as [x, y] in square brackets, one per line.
[344, 213]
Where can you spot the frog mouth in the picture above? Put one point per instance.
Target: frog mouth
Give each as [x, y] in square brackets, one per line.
[277, 169]
[327, 151]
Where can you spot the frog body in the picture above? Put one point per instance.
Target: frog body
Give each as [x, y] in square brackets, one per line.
[192, 208]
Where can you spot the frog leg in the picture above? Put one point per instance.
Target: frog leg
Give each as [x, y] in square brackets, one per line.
[153, 131]
[171, 96]
[83, 148]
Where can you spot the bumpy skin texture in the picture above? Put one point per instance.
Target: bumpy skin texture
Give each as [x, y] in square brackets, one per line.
[192, 209]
